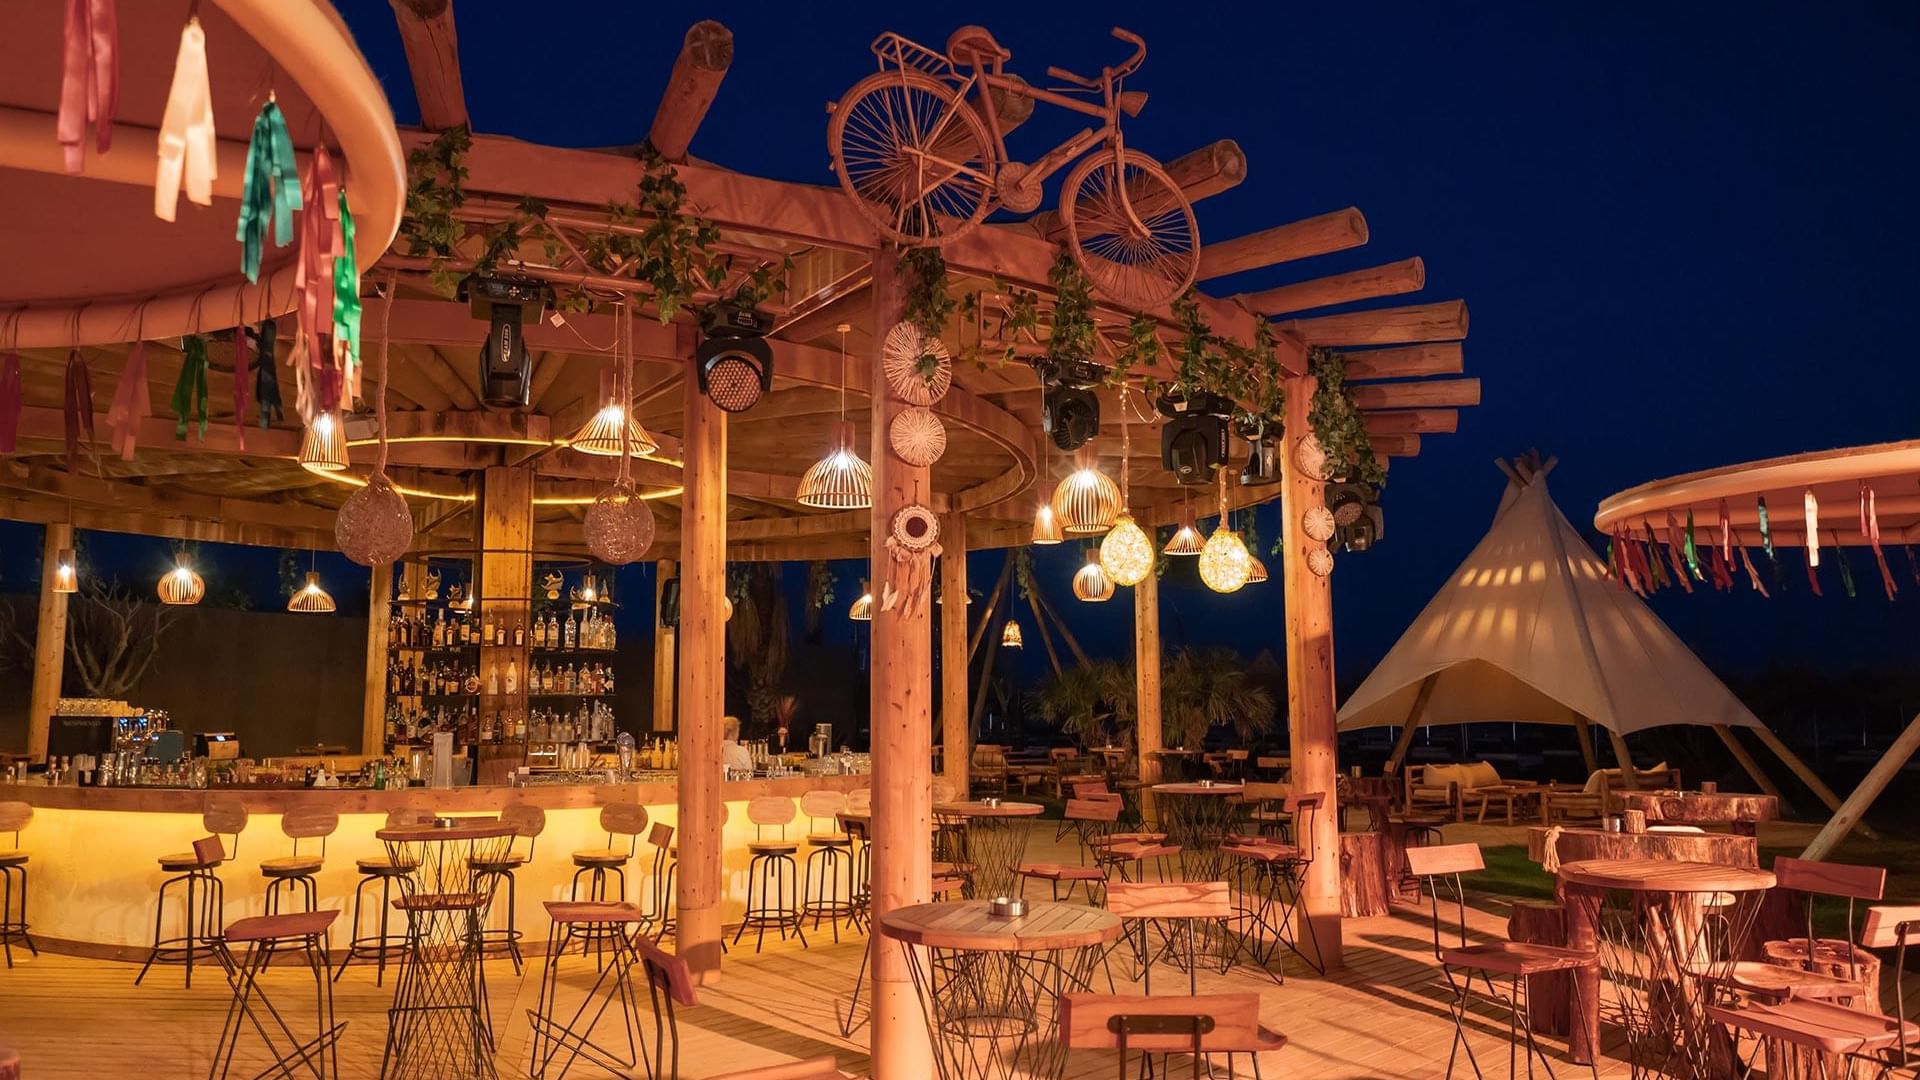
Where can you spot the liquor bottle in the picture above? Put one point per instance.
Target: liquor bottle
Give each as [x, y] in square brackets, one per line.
[606, 680]
[493, 679]
[520, 727]
[519, 634]
[513, 675]
[539, 632]
[488, 637]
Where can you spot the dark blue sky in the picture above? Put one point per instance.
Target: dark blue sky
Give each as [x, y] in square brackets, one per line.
[1683, 230]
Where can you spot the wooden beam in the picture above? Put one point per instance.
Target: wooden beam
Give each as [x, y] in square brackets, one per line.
[1066, 635]
[433, 58]
[164, 501]
[1855, 808]
[1623, 758]
[373, 699]
[993, 605]
[439, 370]
[1406, 362]
[48, 511]
[1210, 170]
[1807, 775]
[1396, 445]
[1337, 231]
[49, 643]
[1752, 767]
[1443, 321]
[1405, 276]
[156, 432]
[955, 748]
[1413, 721]
[1412, 422]
[1434, 393]
[1040, 628]
[705, 54]
[666, 651]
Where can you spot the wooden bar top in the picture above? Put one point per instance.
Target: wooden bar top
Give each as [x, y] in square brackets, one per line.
[156, 800]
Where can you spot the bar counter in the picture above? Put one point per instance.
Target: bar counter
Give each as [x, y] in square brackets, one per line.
[95, 850]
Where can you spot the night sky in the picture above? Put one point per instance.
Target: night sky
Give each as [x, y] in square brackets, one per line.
[1682, 230]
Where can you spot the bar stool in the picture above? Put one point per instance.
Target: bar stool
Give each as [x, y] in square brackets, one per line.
[659, 909]
[528, 823]
[829, 863]
[206, 897]
[381, 870]
[264, 935]
[773, 870]
[296, 871]
[14, 817]
[620, 820]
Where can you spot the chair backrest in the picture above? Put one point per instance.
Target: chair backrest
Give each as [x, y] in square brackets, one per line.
[661, 835]
[208, 850]
[15, 816]
[1442, 865]
[1304, 806]
[823, 805]
[1091, 789]
[308, 822]
[938, 792]
[1079, 809]
[225, 817]
[1169, 899]
[1891, 924]
[1263, 791]
[401, 817]
[527, 821]
[1273, 761]
[771, 810]
[623, 819]
[1161, 1023]
[1236, 755]
[860, 801]
[1830, 878]
[1062, 754]
[671, 971]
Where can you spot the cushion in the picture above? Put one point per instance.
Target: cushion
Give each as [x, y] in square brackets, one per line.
[1480, 774]
[1613, 778]
[1440, 776]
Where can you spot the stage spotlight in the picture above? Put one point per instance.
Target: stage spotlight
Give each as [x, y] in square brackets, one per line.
[735, 361]
[506, 366]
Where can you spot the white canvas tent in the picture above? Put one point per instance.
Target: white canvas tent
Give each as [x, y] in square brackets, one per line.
[1531, 629]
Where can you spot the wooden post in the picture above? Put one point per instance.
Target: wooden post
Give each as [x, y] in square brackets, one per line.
[1850, 813]
[665, 650]
[1585, 731]
[49, 643]
[1310, 712]
[901, 707]
[993, 650]
[956, 748]
[1752, 767]
[1808, 776]
[1060, 624]
[1146, 676]
[702, 691]
[373, 703]
[1629, 776]
[1413, 721]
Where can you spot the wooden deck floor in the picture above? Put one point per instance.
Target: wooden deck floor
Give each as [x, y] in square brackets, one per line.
[1384, 1016]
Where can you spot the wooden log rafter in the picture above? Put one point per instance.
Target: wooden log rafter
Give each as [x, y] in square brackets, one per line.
[705, 54]
[433, 59]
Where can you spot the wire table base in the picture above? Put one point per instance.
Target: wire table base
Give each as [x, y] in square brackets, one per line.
[1198, 817]
[993, 1014]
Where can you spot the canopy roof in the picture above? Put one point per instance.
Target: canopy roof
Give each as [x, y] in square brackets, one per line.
[1530, 629]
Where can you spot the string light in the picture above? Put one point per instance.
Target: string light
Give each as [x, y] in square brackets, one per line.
[1126, 552]
[1225, 563]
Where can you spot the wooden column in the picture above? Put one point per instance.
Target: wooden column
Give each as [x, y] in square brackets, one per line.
[702, 683]
[49, 643]
[901, 706]
[1585, 731]
[1629, 776]
[1146, 675]
[1850, 813]
[955, 747]
[373, 702]
[1310, 712]
[665, 649]
[1807, 775]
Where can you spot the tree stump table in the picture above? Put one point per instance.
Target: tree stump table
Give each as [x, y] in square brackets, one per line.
[1365, 888]
[1544, 922]
[1743, 813]
[1581, 845]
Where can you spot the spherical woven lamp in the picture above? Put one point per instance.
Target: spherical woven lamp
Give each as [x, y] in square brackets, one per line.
[311, 598]
[1087, 501]
[1126, 552]
[180, 586]
[324, 446]
[600, 435]
[1225, 563]
[1092, 583]
[374, 525]
[839, 481]
[619, 525]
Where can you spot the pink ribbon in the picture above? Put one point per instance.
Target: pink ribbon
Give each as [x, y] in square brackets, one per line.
[313, 282]
[10, 398]
[79, 406]
[131, 403]
[1676, 553]
[1870, 528]
[89, 79]
[1753, 575]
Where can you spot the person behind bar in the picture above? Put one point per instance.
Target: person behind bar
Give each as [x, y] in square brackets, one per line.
[733, 755]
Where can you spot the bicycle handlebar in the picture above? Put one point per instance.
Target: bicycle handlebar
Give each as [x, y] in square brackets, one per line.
[1139, 49]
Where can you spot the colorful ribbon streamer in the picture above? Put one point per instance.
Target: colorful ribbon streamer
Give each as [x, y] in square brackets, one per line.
[271, 190]
[131, 402]
[346, 303]
[1846, 568]
[1653, 559]
[242, 384]
[89, 79]
[1676, 555]
[187, 137]
[79, 406]
[1726, 533]
[1870, 528]
[318, 386]
[266, 379]
[1693, 549]
[1813, 528]
[1753, 573]
[191, 391]
[11, 397]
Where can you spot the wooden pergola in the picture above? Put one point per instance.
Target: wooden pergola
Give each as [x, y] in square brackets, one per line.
[724, 485]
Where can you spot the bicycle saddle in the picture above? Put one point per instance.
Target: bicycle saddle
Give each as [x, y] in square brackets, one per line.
[973, 46]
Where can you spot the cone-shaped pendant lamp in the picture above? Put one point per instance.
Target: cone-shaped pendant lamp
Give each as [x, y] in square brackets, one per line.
[600, 435]
[1257, 572]
[324, 446]
[311, 598]
[1187, 539]
[841, 480]
[1010, 636]
[862, 609]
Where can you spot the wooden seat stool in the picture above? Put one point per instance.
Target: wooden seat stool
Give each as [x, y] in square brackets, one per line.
[827, 889]
[773, 874]
[291, 873]
[14, 818]
[204, 902]
[620, 821]
[264, 935]
[491, 872]
[380, 870]
[557, 1040]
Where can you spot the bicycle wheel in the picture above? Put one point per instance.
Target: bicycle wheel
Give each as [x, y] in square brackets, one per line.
[916, 159]
[1131, 228]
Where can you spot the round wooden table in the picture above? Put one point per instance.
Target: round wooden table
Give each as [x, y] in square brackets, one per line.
[1197, 817]
[1743, 813]
[994, 842]
[991, 987]
[1664, 932]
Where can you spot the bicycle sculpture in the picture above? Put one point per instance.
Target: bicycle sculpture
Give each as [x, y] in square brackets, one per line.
[919, 147]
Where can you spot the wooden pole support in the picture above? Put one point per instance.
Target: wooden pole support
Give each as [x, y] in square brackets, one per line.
[1584, 730]
[1146, 676]
[1443, 321]
[1807, 775]
[1413, 721]
[49, 643]
[1629, 776]
[1407, 361]
[954, 653]
[1752, 767]
[705, 55]
[1846, 818]
[1405, 276]
[433, 59]
[373, 700]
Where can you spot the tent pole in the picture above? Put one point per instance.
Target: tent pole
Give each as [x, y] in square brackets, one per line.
[1060, 624]
[1413, 721]
[1040, 624]
[1855, 808]
[993, 603]
[1806, 774]
[1746, 761]
[1585, 731]
[1629, 776]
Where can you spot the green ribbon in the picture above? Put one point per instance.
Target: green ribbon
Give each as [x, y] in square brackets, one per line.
[192, 386]
[266, 379]
[346, 288]
[1653, 559]
[271, 189]
[1693, 552]
[1766, 530]
[1846, 571]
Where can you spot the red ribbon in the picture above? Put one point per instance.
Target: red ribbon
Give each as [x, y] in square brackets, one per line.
[1675, 555]
[1870, 528]
[1718, 570]
[131, 403]
[1753, 575]
[79, 406]
[89, 79]
[313, 273]
[10, 398]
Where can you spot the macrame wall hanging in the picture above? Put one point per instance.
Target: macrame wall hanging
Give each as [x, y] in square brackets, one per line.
[913, 540]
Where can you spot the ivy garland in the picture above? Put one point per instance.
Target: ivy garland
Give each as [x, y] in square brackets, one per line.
[1337, 421]
[820, 583]
[1021, 315]
[927, 305]
[1073, 331]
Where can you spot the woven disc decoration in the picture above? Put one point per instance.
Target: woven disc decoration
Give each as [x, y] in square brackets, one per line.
[917, 365]
[1318, 523]
[1311, 458]
[619, 525]
[374, 525]
[1320, 561]
[917, 436]
[915, 527]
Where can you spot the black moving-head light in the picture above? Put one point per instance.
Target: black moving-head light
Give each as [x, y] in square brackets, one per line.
[735, 361]
[1069, 410]
[1193, 442]
[506, 302]
[1263, 452]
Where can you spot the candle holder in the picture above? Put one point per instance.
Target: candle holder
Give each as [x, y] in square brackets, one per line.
[1006, 907]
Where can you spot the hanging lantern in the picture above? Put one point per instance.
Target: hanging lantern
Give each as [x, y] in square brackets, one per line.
[1092, 583]
[1257, 571]
[1010, 637]
[726, 609]
[324, 446]
[1187, 539]
[181, 586]
[619, 525]
[374, 525]
[1087, 500]
[600, 435]
[66, 573]
[1225, 563]
[311, 598]
[841, 480]
[1126, 552]
[862, 609]
[1046, 527]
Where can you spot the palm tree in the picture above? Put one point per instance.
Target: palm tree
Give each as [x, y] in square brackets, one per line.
[1093, 703]
[1200, 688]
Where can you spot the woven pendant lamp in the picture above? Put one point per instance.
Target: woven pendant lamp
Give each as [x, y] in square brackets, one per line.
[1087, 501]
[841, 480]
[180, 586]
[324, 446]
[66, 572]
[1126, 552]
[1046, 526]
[862, 609]
[600, 435]
[1010, 636]
[1092, 584]
[1187, 539]
[311, 598]
[1257, 571]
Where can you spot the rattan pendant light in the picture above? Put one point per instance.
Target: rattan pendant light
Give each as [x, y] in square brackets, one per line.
[1087, 501]
[66, 572]
[862, 609]
[1092, 584]
[1225, 562]
[841, 480]
[1187, 539]
[618, 527]
[1010, 636]
[1046, 527]
[180, 586]
[600, 435]
[1126, 552]
[311, 598]
[324, 446]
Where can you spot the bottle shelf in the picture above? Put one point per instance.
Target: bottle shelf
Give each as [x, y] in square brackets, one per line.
[548, 650]
[544, 694]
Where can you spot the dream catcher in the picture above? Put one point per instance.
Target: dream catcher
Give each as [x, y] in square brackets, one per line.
[913, 539]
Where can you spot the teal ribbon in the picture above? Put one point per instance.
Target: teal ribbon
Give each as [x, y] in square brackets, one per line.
[1653, 559]
[192, 386]
[266, 379]
[346, 287]
[271, 189]
[1846, 571]
[1693, 552]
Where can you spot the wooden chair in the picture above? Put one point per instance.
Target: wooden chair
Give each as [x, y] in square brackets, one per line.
[294, 872]
[666, 857]
[1266, 808]
[1091, 818]
[1442, 867]
[528, 823]
[1796, 968]
[621, 821]
[1201, 1025]
[1174, 909]
[827, 885]
[380, 870]
[205, 895]
[988, 770]
[773, 877]
[1272, 872]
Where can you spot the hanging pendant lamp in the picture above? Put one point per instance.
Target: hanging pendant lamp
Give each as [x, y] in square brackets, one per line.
[1092, 584]
[602, 434]
[1010, 636]
[311, 598]
[1256, 570]
[66, 573]
[1126, 552]
[1187, 539]
[324, 446]
[180, 586]
[862, 609]
[1225, 562]
[841, 480]
[1087, 501]
[1046, 526]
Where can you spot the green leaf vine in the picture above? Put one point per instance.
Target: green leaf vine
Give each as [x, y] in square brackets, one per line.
[1020, 316]
[1073, 330]
[1337, 421]
[927, 304]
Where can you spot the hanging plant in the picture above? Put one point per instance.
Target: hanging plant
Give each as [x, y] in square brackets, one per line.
[436, 190]
[1142, 349]
[1020, 316]
[675, 250]
[820, 583]
[1071, 336]
[1337, 421]
[927, 307]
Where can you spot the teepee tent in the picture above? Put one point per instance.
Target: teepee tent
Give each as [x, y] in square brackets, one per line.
[1531, 629]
